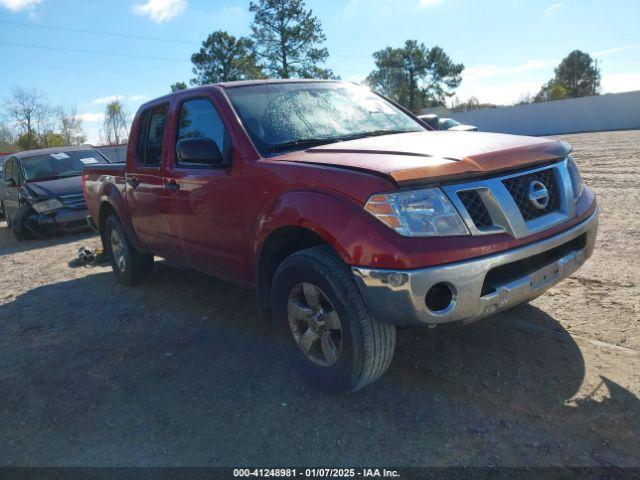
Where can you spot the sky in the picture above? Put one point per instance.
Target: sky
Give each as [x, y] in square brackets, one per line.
[509, 48]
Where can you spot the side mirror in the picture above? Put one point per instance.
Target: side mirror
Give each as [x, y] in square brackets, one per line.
[201, 151]
[10, 183]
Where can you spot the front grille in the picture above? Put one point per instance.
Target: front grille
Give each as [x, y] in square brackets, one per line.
[476, 208]
[518, 187]
[75, 202]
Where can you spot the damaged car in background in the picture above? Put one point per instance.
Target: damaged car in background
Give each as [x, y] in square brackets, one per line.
[42, 191]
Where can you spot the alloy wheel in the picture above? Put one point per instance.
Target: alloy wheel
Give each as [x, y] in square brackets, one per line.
[315, 324]
[117, 250]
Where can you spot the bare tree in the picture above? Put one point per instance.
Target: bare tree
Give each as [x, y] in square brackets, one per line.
[7, 138]
[46, 127]
[28, 110]
[115, 129]
[524, 99]
[71, 127]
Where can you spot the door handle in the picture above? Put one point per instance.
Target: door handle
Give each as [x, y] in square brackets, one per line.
[132, 182]
[171, 185]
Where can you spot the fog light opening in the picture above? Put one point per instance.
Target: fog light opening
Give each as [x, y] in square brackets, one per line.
[440, 298]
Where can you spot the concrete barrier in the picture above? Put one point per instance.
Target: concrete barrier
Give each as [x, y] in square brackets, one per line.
[615, 111]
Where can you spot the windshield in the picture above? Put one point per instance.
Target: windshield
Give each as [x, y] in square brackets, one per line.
[59, 165]
[2, 160]
[290, 116]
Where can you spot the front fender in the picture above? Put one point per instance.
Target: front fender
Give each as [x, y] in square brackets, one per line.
[324, 214]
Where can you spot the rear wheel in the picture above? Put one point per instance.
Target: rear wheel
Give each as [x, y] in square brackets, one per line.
[323, 325]
[129, 266]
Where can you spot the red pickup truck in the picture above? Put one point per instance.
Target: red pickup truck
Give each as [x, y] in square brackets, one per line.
[346, 212]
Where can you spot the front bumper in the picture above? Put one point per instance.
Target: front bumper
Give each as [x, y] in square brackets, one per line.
[63, 220]
[478, 287]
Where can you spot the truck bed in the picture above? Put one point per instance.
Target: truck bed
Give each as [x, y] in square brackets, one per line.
[104, 169]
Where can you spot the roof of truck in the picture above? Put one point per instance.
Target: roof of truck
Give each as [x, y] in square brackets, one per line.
[244, 83]
[240, 83]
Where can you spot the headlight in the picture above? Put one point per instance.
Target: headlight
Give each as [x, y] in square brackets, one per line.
[417, 213]
[576, 178]
[47, 205]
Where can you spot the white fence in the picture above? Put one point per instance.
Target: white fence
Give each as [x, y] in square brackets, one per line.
[615, 111]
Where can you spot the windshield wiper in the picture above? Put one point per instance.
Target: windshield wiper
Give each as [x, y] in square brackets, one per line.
[314, 142]
[301, 143]
[43, 179]
[373, 133]
[54, 177]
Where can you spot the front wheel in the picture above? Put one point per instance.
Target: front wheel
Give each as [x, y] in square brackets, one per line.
[129, 266]
[323, 325]
[20, 223]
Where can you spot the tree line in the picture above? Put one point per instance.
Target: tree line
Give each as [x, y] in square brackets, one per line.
[576, 76]
[287, 41]
[33, 122]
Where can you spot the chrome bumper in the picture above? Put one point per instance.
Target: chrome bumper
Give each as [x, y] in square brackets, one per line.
[398, 297]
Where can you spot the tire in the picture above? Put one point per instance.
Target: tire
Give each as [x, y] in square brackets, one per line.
[6, 216]
[18, 227]
[358, 353]
[129, 266]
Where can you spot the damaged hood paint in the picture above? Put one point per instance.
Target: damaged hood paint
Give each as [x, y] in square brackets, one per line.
[55, 187]
[433, 156]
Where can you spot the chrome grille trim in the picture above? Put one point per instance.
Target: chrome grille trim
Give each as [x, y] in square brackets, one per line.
[503, 209]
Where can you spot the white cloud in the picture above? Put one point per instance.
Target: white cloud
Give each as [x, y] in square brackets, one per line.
[17, 5]
[620, 82]
[160, 10]
[503, 85]
[611, 51]
[105, 100]
[122, 98]
[551, 9]
[429, 3]
[91, 117]
[93, 132]
[498, 93]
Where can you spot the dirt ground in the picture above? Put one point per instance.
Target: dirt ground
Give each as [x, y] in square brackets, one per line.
[175, 372]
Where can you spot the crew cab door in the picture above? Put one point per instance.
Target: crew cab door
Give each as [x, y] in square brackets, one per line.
[144, 175]
[206, 210]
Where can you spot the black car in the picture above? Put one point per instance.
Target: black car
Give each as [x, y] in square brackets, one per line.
[2, 159]
[445, 123]
[42, 192]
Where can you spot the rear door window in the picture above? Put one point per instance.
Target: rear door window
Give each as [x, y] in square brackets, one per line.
[151, 134]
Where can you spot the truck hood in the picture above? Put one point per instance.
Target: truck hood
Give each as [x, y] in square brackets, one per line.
[56, 187]
[417, 157]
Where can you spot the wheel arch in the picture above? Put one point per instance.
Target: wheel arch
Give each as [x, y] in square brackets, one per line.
[292, 222]
[277, 246]
[115, 206]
